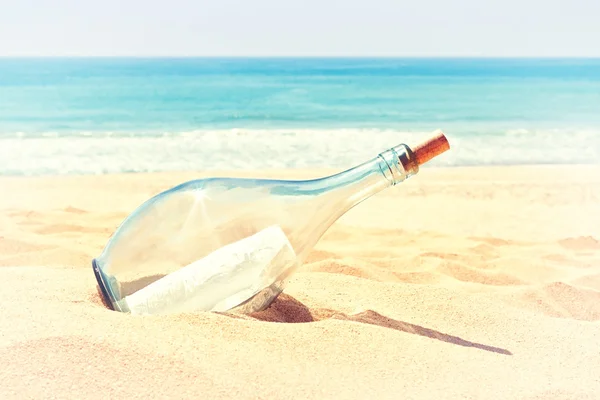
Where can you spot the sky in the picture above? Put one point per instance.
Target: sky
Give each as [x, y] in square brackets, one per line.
[382, 28]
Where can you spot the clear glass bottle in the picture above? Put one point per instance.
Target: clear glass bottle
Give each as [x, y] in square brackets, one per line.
[229, 244]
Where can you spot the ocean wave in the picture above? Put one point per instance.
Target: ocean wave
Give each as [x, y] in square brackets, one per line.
[114, 152]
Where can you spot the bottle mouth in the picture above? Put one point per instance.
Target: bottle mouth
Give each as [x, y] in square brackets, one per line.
[401, 163]
[408, 160]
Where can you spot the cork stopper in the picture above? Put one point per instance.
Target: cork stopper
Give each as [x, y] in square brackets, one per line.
[431, 148]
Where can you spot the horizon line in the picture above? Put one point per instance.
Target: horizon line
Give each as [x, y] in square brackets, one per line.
[259, 56]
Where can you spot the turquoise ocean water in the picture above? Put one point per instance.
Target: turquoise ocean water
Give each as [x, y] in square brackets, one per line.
[104, 115]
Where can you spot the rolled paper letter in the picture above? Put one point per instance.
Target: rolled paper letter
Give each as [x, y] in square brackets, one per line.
[221, 280]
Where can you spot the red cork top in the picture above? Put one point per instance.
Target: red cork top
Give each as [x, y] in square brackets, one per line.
[431, 148]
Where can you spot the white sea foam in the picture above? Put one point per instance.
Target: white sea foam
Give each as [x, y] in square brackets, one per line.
[113, 152]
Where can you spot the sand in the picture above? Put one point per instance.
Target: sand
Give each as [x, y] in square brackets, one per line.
[459, 283]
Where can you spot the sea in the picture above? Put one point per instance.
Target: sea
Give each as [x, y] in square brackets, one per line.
[126, 115]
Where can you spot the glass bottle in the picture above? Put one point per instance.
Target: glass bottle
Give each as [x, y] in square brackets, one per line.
[230, 244]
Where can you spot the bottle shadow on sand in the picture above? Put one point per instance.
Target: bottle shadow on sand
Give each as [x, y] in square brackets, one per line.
[286, 309]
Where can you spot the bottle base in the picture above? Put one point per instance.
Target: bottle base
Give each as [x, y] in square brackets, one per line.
[101, 279]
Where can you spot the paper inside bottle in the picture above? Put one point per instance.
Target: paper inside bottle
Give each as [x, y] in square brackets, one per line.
[220, 281]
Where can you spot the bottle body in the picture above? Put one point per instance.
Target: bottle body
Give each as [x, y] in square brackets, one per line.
[270, 225]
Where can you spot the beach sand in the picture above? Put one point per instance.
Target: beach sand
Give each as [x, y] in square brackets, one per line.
[459, 283]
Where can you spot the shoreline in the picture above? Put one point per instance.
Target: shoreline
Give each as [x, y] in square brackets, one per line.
[303, 170]
[265, 151]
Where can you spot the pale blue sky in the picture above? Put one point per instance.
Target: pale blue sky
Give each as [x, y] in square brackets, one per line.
[300, 27]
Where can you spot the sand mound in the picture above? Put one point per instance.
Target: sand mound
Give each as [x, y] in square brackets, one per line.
[580, 243]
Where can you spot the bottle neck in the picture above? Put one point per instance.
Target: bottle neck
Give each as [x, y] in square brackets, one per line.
[389, 168]
[343, 191]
